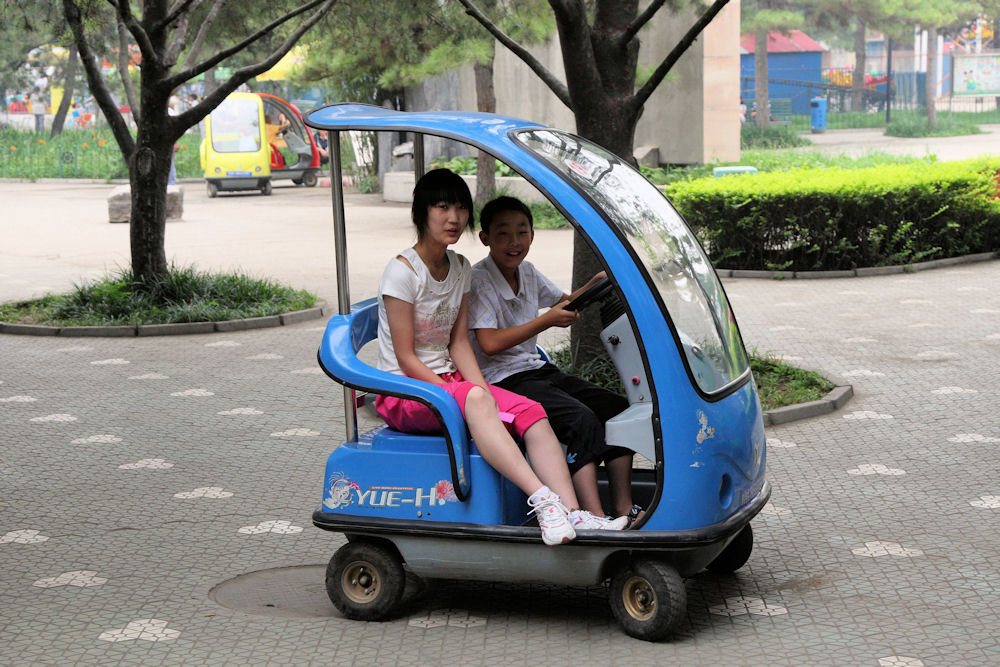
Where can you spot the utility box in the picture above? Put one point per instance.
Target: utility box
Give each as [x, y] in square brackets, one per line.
[817, 109]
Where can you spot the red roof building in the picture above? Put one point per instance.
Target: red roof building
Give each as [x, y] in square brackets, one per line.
[795, 41]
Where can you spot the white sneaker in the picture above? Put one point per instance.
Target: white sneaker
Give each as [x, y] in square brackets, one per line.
[584, 520]
[552, 518]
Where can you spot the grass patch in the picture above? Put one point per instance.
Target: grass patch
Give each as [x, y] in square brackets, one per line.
[778, 384]
[947, 126]
[770, 136]
[182, 295]
[76, 153]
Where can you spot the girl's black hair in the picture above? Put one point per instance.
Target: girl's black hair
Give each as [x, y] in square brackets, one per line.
[499, 205]
[439, 185]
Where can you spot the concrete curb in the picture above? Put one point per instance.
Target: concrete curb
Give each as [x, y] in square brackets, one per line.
[180, 328]
[833, 401]
[862, 272]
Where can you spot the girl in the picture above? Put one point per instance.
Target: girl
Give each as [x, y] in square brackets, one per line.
[423, 333]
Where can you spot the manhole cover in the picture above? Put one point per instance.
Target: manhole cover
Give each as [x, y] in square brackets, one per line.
[285, 592]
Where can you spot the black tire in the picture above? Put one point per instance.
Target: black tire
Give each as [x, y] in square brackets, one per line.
[266, 188]
[365, 581]
[297, 181]
[735, 555]
[310, 179]
[648, 598]
[213, 190]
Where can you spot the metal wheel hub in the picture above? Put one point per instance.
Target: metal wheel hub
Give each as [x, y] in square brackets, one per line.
[639, 598]
[360, 582]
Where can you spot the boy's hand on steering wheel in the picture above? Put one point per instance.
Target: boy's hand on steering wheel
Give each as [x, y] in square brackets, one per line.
[558, 316]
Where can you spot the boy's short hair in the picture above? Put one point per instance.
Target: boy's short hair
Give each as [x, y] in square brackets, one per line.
[499, 205]
[439, 185]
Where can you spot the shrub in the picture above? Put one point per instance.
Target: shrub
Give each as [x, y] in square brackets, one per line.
[948, 126]
[770, 136]
[90, 153]
[822, 219]
[182, 295]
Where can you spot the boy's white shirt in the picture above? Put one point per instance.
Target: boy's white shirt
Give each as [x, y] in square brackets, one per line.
[435, 308]
[493, 305]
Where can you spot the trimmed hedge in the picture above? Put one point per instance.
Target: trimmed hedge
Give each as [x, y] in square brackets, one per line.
[828, 219]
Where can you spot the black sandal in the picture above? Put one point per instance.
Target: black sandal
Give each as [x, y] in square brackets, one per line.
[633, 515]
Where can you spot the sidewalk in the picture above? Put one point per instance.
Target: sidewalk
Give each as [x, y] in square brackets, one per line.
[140, 474]
[859, 142]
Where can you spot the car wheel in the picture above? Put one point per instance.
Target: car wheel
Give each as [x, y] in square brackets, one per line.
[648, 599]
[365, 581]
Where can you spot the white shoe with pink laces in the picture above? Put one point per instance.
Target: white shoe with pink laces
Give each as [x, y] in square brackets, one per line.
[553, 517]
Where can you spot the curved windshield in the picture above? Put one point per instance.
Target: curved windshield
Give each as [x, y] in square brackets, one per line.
[673, 258]
[236, 126]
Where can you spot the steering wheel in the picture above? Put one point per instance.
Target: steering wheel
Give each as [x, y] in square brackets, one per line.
[592, 294]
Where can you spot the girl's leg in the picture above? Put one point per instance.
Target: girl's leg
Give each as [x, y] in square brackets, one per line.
[496, 446]
[547, 459]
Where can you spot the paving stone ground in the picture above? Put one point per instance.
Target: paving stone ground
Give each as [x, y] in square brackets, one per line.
[140, 473]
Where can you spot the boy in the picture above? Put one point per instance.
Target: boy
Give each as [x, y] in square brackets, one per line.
[503, 317]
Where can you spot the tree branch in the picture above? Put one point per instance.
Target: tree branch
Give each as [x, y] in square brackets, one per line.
[97, 84]
[180, 123]
[640, 20]
[125, 16]
[123, 70]
[647, 89]
[209, 63]
[199, 38]
[179, 8]
[547, 77]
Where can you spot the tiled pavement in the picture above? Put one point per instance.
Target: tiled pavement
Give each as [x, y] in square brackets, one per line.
[138, 474]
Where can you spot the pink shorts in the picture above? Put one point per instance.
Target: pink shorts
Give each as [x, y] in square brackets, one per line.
[516, 412]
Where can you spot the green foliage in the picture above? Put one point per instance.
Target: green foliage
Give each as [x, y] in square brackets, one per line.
[405, 42]
[90, 153]
[546, 216]
[770, 136]
[460, 164]
[466, 166]
[779, 384]
[947, 126]
[181, 295]
[601, 371]
[825, 219]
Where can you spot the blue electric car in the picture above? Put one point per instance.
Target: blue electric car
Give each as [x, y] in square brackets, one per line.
[431, 504]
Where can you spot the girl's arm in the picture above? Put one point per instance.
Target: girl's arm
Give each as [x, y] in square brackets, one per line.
[461, 352]
[400, 316]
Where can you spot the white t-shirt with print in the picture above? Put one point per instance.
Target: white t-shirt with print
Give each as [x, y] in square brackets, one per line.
[435, 308]
[493, 305]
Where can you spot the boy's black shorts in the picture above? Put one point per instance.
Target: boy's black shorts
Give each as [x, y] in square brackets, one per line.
[577, 410]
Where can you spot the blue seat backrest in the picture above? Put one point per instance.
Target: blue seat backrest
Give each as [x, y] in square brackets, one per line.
[338, 355]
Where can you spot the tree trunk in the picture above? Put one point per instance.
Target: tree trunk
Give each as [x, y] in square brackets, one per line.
[486, 101]
[860, 67]
[149, 168]
[614, 131]
[60, 118]
[930, 88]
[762, 99]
